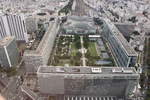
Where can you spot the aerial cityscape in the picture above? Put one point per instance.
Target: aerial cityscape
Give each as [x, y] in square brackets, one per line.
[74, 49]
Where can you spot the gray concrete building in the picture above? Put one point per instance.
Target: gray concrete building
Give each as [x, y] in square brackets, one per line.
[13, 25]
[34, 58]
[122, 51]
[78, 82]
[9, 54]
[31, 24]
[79, 25]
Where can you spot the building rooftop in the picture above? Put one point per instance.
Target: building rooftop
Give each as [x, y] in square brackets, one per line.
[6, 41]
[44, 43]
[126, 29]
[87, 70]
[79, 24]
[125, 44]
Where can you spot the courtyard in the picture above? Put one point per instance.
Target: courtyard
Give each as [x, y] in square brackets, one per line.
[80, 50]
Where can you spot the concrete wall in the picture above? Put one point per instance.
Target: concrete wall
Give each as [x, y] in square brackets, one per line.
[13, 53]
[31, 24]
[3, 58]
[51, 85]
[79, 85]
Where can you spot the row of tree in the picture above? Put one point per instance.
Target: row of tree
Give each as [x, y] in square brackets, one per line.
[77, 41]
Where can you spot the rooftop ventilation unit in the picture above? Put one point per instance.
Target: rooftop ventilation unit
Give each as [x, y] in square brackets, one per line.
[96, 70]
[60, 70]
[117, 70]
[128, 71]
[75, 69]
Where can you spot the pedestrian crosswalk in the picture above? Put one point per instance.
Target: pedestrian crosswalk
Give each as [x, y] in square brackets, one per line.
[88, 98]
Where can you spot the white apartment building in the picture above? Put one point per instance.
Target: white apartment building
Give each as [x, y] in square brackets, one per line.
[13, 25]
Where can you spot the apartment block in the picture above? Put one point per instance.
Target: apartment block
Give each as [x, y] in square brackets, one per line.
[13, 25]
[9, 54]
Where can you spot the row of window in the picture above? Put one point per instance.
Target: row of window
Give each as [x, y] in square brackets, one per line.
[120, 56]
[2, 29]
[12, 25]
[90, 98]
[16, 26]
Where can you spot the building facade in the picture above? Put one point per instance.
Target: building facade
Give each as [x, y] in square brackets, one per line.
[31, 24]
[13, 25]
[81, 82]
[9, 55]
[123, 53]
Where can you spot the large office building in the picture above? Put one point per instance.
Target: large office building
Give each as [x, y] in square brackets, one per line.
[13, 25]
[9, 55]
[87, 83]
[35, 58]
[124, 54]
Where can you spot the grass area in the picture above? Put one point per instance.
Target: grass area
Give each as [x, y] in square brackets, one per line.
[74, 50]
[62, 62]
[65, 51]
[92, 49]
[148, 95]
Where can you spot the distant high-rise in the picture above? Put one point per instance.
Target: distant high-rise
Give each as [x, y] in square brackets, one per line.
[13, 25]
[9, 54]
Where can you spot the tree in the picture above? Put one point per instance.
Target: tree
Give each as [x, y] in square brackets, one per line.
[88, 54]
[133, 19]
[136, 33]
[78, 44]
[75, 61]
[76, 38]
[86, 41]
[145, 13]
[91, 62]
[79, 55]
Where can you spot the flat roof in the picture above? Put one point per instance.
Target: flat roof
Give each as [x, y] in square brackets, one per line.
[126, 29]
[86, 70]
[44, 43]
[121, 39]
[6, 41]
[79, 23]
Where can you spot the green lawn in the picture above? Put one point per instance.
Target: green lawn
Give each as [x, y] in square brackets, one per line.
[74, 50]
[62, 62]
[92, 49]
